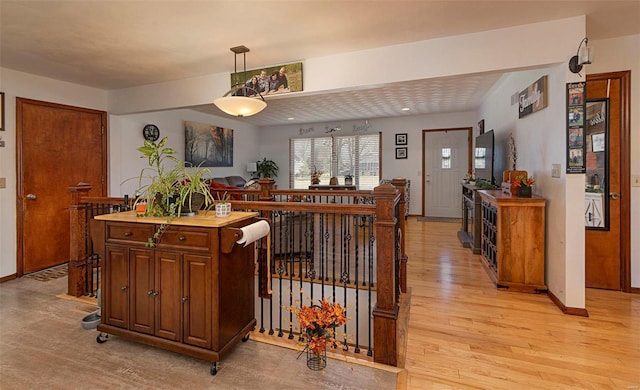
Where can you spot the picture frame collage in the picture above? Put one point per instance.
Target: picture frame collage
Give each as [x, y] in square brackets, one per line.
[401, 152]
[576, 150]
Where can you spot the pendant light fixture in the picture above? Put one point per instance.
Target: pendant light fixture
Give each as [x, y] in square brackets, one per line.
[237, 100]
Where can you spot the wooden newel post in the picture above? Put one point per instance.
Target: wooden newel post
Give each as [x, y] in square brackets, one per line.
[77, 234]
[266, 185]
[401, 185]
[385, 313]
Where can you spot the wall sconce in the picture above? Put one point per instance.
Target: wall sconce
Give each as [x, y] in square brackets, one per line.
[582, 57]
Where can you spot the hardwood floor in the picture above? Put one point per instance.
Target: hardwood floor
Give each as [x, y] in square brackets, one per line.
[464, 333]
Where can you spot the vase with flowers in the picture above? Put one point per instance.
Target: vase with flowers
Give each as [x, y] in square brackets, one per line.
[523, 183]
[318, 323]
[315, 176]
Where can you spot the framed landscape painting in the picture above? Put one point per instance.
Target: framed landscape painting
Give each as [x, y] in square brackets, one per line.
[211, 146]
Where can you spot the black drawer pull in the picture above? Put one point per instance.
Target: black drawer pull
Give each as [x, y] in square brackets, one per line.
[127, 234]
[182, 238]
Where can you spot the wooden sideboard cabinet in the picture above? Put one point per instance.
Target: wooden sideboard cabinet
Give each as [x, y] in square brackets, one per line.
[513, 240]
[188, 294]
[470, 234]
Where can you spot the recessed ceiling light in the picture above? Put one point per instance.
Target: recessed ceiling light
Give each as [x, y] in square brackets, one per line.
[405, 109]
[290, 118]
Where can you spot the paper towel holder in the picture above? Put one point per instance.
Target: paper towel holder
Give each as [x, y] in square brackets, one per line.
[230, 235]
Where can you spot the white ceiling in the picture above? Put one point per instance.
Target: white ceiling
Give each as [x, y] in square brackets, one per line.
[119, 44]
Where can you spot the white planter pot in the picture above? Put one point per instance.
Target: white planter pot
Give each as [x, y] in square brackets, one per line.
[223, 209]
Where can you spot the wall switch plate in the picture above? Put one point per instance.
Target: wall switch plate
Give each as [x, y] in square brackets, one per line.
[3, 182]
[635, 180]
[555, 170]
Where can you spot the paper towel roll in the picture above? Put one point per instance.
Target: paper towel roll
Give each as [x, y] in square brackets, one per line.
[254, 232]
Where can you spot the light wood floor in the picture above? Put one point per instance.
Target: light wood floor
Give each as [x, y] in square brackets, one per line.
[463, 333]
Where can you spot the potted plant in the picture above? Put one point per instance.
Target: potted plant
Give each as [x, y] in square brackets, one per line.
[348, 179]
[170, 190]
[223, 207]
[267, 168]
[524, 184]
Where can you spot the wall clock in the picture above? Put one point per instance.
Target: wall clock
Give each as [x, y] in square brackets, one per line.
[151, 133]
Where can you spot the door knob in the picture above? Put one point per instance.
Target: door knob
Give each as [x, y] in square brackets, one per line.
[123, 288]
[31, 197]
[184, 299]
[614, 195]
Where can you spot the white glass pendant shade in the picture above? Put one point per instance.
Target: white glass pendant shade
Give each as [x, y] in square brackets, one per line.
[240, 105]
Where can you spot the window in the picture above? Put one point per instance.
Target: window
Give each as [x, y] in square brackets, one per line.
[446, 158]
[358, 155]
[480, 160]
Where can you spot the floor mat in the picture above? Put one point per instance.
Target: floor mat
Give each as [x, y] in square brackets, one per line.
[49, 273]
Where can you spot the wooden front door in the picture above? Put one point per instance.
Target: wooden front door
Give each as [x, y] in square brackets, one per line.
[606, 251]
[57, 146]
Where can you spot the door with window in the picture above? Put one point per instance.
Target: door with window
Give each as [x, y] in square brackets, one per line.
[607, 182]
[446, 162]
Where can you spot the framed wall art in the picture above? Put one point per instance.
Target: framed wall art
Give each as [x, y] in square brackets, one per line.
[401, 153]
[211, 146]
[272, 80]
[576, 145]
[401, 139]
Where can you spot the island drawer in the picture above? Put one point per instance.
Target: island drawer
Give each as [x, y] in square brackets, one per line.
[128, 232]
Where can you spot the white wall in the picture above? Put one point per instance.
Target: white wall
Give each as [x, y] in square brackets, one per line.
[617, 54]
[531, 45]
[125, 136]
[273, 144]
[18, 84]
[540, 142]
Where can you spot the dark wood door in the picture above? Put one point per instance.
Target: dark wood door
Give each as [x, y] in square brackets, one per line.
[198, 303]
[57, 146]
[142, 291]
[115, 294]
[168, 295]
[604, 247]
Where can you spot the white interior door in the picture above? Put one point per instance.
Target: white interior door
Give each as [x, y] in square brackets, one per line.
[446, 162]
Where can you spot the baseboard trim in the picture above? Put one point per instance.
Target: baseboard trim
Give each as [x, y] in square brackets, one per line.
[14, 276]
[573, 311]
[635, 290]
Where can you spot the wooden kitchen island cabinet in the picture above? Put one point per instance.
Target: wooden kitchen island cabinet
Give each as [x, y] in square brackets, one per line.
[513, 241]
[187, 294]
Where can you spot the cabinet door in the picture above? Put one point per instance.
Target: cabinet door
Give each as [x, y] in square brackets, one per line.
[197, 301]
[142, 290]
[168, 295]
[115, 287]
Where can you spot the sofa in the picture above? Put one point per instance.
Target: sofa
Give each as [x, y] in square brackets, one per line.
[230, 181]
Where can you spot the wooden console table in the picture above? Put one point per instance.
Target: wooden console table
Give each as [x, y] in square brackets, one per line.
[513, 240]
[193, 293]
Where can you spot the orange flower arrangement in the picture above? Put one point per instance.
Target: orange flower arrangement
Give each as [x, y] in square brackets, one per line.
[316, 321]
[523, 181]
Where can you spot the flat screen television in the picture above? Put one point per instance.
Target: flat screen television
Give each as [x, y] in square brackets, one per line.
[483, 157]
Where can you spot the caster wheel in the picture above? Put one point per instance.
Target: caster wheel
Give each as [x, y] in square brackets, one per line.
[102, 338]
[214, 368]
[245, 338]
